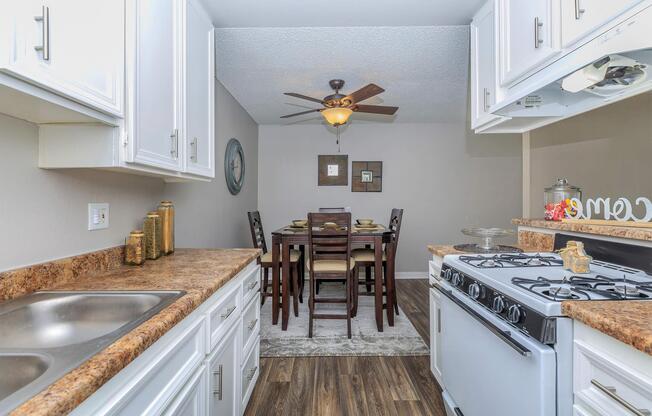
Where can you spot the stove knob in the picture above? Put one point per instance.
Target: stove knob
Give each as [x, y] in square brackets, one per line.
[498, 304]
[474, 290]
[458, 279]
[448, 273]
[514, 314]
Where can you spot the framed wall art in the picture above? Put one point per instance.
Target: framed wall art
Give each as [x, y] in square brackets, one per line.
[333, 170]
[367, 176]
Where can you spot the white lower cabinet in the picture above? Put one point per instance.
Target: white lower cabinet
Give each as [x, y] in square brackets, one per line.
[435, 330]
[223, 366]
[183, 373]
[609, 377]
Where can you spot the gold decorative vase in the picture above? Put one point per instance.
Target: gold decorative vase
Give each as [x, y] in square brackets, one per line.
[166, 212]
[135, 248]
[153, 231]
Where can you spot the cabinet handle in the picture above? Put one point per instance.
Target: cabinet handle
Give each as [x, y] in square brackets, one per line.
[193, 149]
[218, 391]
[45, 47]
[438, 321]
[252, 324]
[486, 96]
[228, 312]
[578, 10]
[252, 285]
[611, 392]
[174, 143]
[538, 24]
[252, 373]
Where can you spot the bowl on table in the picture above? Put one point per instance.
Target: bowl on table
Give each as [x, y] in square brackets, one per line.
[299, 223]
[365, 221]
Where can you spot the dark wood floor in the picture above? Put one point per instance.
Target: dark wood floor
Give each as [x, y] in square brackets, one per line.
[331, 386]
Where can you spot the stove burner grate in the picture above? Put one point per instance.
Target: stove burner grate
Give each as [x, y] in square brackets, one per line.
[585, 288]
[511, 260]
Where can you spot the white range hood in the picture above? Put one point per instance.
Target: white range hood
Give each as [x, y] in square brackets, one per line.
[611, 67]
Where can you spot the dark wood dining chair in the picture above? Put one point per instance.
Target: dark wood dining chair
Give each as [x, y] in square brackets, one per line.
[364, 257]
[329, 248]
[265, 261]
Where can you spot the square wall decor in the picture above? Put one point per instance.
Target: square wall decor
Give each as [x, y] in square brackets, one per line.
[333, 170]
[367, 177]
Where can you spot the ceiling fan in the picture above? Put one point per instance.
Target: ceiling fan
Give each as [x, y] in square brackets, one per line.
[339, 107]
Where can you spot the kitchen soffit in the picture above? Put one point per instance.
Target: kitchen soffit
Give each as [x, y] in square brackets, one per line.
[424, 69]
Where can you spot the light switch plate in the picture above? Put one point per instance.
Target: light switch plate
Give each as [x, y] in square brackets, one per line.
[98, 216]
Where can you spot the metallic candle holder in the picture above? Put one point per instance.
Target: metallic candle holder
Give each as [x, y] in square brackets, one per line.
[152, 227]
[166, 212]
[135, 248]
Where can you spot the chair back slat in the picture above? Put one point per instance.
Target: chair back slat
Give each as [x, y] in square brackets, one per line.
[327, 243]
[257, 233]
[395, 220]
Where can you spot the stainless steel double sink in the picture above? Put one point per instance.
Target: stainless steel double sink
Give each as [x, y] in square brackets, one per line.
[46, 334]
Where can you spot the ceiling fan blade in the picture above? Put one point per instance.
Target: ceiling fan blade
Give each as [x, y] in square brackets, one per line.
[303, 112]
[364, 93]
[304, 97]
[374, 109]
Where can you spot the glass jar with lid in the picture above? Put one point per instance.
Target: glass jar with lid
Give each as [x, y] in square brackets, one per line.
[557, 200]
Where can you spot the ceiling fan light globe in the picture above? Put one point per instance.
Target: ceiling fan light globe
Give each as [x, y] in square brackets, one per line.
[336, 116]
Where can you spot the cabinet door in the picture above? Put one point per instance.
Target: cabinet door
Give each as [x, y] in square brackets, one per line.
[528, 36]
[581, 17]
[191, 401]
[435, 330]
[155, 85]
[224, 376]
[483, 64]
[199, 91]
[75, 49]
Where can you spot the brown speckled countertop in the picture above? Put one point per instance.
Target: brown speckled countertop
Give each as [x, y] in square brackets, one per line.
[608, 230]
[442, 250]
[199, 272]
[627, 321]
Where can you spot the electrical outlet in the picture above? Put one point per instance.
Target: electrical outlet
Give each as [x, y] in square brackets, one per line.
[98, 216]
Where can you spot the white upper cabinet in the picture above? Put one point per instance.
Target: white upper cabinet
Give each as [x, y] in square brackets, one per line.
[581, 17]
[199, 94]
[483, 64]
[529, 36]
[74, 49]
[154, 70]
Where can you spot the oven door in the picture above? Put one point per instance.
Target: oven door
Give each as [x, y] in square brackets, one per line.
[488, 367]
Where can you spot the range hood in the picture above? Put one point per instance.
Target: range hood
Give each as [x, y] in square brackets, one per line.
[613, 66]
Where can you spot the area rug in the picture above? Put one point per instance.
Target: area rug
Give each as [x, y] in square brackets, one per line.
[329, 335]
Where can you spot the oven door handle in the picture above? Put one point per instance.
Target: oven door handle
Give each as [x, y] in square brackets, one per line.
[503, 335]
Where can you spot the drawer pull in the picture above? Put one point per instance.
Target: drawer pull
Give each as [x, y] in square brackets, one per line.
[252, 324]
[252, 285]
[228, 312]
[578, 10]
[611, 392]
[44, 18]
[252, 373]
[218, 391]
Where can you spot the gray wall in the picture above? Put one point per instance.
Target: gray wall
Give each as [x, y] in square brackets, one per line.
[207, 214]
[606, 152]
[43, 213]
[444, 177]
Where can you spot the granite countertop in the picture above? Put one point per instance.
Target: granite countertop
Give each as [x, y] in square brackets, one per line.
[200, 272]
[607, 230]
[627, 321]
[442, 250]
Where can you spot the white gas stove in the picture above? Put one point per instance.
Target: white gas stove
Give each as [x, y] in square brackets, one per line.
[506, 347]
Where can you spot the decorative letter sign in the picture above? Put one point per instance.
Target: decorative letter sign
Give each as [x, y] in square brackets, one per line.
[621, 210]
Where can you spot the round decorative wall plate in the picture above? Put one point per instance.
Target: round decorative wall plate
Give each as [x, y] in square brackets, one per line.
[234, 166]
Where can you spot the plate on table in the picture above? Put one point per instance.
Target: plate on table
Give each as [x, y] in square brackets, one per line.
[298, 227]
[367, 226]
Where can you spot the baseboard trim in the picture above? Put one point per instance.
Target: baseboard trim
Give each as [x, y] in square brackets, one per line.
[411, 275]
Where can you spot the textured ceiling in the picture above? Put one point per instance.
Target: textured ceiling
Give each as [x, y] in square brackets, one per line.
[424, 70]
[312, 13]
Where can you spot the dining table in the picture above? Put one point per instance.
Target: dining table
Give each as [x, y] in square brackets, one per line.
[285, 238]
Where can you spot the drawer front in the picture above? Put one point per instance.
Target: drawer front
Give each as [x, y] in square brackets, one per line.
[603, 385]
[153, 389]
[251, 285]
[226, 311]
[250, 325]
[434, 271]
[223, 371]
[250, 372]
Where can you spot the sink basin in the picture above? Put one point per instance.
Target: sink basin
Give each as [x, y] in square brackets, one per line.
[44, 335]
[52, 320]
[18, 370]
